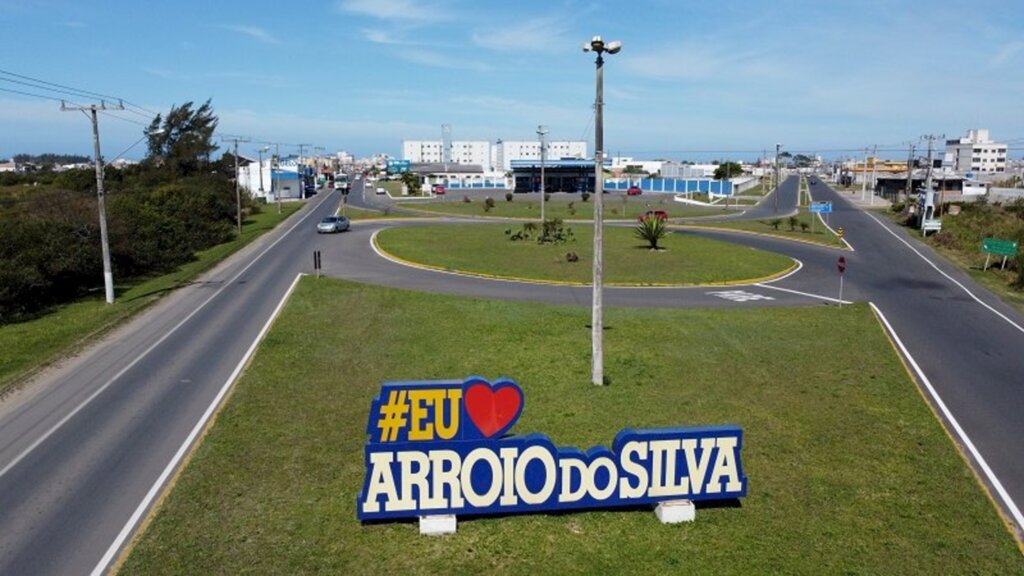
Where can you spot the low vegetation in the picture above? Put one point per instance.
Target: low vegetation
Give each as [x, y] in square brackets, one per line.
[849, 471]
[486, 250]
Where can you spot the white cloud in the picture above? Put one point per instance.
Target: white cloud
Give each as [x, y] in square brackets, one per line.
[437, 60]
[253, 32]
[1006, 52]
[395, 10]
[536, 35]
[694, 62]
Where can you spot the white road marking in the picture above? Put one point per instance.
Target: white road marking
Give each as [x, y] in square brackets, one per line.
[948, 277]
[1007, 500]
[183, 450]
[807, 294]
[138, 358]
[739, 295]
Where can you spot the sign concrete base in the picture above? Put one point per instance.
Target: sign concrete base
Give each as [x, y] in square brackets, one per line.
[438, 525]
[676, 511]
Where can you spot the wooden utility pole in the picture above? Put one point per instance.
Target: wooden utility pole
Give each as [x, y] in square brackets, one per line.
[108, 274]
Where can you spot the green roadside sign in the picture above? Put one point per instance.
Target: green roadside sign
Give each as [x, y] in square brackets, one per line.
[999, 247]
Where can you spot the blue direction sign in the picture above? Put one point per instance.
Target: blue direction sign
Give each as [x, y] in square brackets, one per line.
[821, 207]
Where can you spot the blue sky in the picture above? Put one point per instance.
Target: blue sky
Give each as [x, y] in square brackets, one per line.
[694, 79]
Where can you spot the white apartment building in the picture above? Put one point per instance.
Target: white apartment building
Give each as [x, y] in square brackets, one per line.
[505, 151]
[475, 152]
[497, 157]
[976, 153]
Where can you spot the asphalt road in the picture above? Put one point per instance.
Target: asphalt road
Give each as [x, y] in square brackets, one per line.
[85, 447]
[82, 446]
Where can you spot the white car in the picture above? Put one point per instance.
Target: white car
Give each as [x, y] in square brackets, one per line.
[381, 191]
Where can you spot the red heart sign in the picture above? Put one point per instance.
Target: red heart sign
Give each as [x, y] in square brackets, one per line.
[493, 410]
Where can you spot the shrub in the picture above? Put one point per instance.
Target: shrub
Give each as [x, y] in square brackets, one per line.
[804, 226]
[547, 196]
[650, 230]
[508, 196]
[572, 208]
[572, 257]
[554, 232]
[793, 221]
[466, 199]
[488, 204]
[775, 223]
[585, 196]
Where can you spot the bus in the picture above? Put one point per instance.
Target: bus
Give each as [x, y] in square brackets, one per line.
[341, 182]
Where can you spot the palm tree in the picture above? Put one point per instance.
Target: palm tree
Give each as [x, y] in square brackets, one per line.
[650, 229]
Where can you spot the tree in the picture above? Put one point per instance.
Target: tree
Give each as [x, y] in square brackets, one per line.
[728, 170]
[651, 230]
[412, 182]
[186, 142]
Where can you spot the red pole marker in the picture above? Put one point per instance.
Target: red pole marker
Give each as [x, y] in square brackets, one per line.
[841, 265]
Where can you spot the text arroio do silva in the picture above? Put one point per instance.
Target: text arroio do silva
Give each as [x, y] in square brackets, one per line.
[439, 448]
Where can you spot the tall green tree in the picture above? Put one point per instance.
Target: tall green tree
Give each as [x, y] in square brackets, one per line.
[728, 170]
[185, 144]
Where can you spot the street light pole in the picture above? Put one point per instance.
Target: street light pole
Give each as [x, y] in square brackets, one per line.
[597, 318]
[261, 151]
[777, 176]
[542, 131]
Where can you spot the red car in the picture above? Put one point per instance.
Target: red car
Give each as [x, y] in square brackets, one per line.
[659, 214]
[438, 190]
[633, 191]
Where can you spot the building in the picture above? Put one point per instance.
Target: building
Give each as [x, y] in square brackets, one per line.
[559, 175]
[975, 153]
[625, 165]
[492, 158]
[507, 151]
[476, 152]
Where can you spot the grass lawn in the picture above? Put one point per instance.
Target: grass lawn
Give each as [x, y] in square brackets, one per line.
[820, 235]
[354, 213]
[31, 345]
[528, 207]
[849, 471]
[687, 259]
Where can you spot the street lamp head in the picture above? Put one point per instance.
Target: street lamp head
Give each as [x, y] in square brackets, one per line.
[156, 132]
[614, 47]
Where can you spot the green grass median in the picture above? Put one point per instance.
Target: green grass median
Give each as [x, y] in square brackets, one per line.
[485, 249]
[849, 471]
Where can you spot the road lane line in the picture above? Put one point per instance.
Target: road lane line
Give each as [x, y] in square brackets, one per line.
[948, 277]
[145, 353]
[807, 294]
[196, 430]
[1003, 494]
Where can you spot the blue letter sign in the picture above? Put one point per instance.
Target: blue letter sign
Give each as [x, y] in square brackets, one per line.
[442, 448]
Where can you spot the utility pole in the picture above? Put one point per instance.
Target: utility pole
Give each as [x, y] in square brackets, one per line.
[238, 190]
[542, 132]
[874, 173]
[864, 178]
[777, 176]
[300, 170]
[276, 164]
[108, 274]
[261, 151]
[910, 173]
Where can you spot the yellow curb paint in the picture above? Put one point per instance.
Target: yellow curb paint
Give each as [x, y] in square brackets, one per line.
[521, 280]
[752, 233]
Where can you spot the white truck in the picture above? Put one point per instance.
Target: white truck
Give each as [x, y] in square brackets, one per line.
[341, 182]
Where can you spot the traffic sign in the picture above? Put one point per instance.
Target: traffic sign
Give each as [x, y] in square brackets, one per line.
[823, 207]
[841, 264]
[999, 247]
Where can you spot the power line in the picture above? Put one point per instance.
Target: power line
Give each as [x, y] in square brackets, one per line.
[62, 88]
